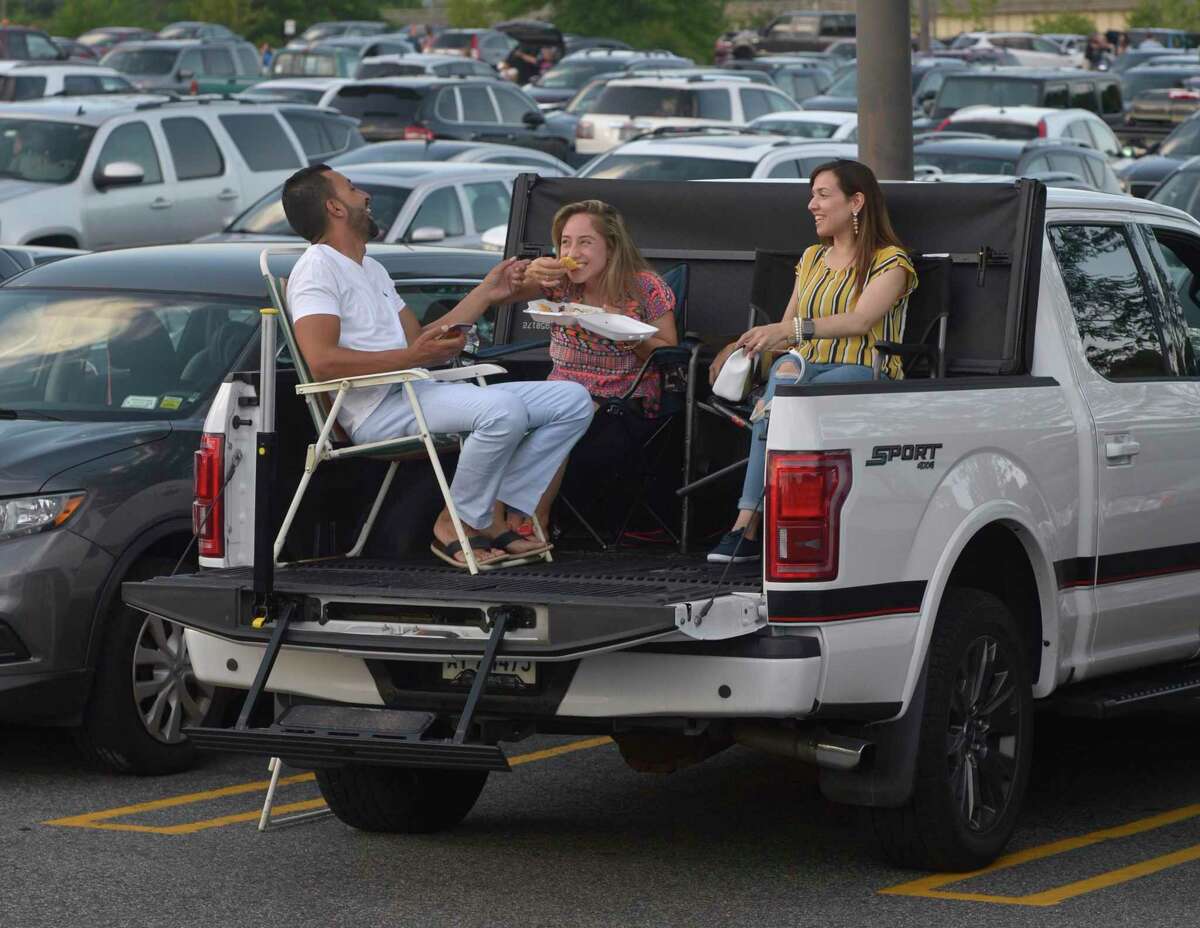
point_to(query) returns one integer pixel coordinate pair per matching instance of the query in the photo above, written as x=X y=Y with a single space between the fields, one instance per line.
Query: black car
x=1143 y=175
x=108 y=366
x=1057 y=88
x=928 y=75
x=1036 y=158
x=468 y=109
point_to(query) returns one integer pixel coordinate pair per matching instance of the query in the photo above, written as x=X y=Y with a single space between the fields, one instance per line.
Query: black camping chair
x=925 y=326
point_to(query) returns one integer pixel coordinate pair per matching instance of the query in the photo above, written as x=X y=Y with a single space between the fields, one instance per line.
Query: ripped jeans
x=786 y=369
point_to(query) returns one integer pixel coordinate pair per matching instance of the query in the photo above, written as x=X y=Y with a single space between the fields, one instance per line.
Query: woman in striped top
x=851 y=291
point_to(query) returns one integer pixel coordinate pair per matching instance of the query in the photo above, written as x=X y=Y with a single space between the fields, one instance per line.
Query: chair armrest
x=665 y=354
x=500 y=351
x=470 y=372
x=363 y=380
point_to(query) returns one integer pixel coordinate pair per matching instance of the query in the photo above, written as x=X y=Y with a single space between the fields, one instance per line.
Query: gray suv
x=188 y=65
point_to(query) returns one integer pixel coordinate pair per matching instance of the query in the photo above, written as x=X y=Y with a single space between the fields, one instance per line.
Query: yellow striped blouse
x=826 y=292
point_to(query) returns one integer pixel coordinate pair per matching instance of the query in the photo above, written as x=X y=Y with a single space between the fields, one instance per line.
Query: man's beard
x=364 y=224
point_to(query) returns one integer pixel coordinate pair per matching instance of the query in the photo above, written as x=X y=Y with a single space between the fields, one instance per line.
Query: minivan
x=1054 y=88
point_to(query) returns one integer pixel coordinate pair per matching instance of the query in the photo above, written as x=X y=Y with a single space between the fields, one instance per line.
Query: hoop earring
x=854 y=219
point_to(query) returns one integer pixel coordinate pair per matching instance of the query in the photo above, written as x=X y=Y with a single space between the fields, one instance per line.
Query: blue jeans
x=756 y=467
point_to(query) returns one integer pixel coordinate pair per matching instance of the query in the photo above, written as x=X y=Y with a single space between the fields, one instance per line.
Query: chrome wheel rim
x=984 y=731
x=166 y=694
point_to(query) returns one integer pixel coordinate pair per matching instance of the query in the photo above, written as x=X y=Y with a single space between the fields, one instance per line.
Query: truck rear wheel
x=400 y=799
x=976 y=741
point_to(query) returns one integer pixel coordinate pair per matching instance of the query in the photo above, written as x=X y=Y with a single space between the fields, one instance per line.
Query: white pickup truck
x=1016 y=522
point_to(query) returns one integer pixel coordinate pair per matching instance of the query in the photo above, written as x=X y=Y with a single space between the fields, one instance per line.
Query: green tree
x=978 y=12
x=687 y=27
x=1169 y=14
x=469 y=14
x=1069 y=23
x=78 y=16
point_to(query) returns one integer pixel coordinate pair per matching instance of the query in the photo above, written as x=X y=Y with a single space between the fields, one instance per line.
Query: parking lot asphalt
x=1110 y=836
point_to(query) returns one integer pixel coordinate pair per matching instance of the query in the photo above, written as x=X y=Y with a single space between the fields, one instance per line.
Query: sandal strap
x=504 y=539
x=477 y=543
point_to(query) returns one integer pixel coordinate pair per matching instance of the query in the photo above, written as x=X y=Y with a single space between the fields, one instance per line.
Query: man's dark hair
x=304 y=196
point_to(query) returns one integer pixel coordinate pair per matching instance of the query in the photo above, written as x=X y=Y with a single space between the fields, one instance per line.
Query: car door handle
x=227 y=194
x=161 y=203
x=1121 y=448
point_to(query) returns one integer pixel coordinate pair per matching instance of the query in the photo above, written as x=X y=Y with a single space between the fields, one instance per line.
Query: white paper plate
x=593 y=318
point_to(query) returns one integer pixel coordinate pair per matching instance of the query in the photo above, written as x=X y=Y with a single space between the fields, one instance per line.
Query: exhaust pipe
x=834 y=752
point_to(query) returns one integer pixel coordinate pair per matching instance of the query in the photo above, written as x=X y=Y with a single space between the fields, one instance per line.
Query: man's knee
x=504 y=414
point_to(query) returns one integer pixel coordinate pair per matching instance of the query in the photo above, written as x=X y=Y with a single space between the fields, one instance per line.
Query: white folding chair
x=332 y=443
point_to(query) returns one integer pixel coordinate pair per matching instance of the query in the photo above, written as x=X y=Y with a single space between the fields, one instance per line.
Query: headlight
x=27 y=515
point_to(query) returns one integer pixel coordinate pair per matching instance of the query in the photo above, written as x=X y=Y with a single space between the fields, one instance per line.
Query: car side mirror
x=427 y=234
x=927 y=106
x=119 y=174
x=532 y=118
x=185 y=75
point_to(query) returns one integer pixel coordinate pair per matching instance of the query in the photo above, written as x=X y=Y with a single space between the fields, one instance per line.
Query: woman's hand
x=718 y=362
x=545 y=272
x=764 y=337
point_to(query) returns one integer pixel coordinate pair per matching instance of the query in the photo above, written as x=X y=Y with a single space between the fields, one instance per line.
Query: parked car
x=106 y=372
x=1161 y=96
x=197 y=30
x=115 y=171
x=810 y=124
x=444 y=150
x=21 y=43
x=1143 y=175
x=1032 y=122
x=386 y=43
x=1069 y=42
x=1030 y=49
x=315 y=61
x=1056 y=89
x=31 y=80
x=373 y=66
x=292 y=89
x=799 y=78
x=1181 y=188
x=187 y=65
x=469 y=109
x=106 y=38
x=484 y=44
x=559 y=84
x=999 y=156
x=803 y=31
x=1137 y=56
x=421 y=202
x=928 y=74
x=577 y=43
x=76 y=51
x=711 y=154
x=1174 y=39
x=319 y=32
x=17 y=259
x=631 y=106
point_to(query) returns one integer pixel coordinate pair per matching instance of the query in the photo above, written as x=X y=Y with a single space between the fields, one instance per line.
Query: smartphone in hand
x=459 y=328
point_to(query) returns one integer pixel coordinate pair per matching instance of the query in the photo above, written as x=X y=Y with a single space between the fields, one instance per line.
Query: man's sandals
x=446 y=550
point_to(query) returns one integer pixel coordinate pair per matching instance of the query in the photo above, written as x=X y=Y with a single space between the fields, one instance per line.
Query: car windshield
x=369 y=103
x=1183 y=142
x=959 y=92
x=966 y=40
x=796 y=129
x=141 y=60
x=39 y=150
x=322 y=31
x=663 y=102
x=666 y=167
x=1178 y=190
x=266 y=217
x=308 y=63
x=571 y=75
x=966 y=164
x=583 y=101
x=844 y=86
x=1136 y=82
x=114 y=354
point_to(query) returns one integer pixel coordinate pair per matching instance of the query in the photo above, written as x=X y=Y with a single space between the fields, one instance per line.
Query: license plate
x=524 y=672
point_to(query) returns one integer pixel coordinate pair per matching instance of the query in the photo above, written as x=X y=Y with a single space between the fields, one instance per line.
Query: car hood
x=33 y=451
x=11 y=188
x=1149 y=167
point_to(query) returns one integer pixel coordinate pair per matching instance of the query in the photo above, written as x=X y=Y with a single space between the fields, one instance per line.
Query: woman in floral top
x=598 y=264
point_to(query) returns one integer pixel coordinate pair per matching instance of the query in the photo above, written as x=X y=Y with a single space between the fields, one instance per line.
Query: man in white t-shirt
x=349 y=321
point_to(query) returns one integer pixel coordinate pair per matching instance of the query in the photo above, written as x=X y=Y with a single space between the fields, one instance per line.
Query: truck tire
x=144 y=692
x=976 y=741
x=400 y=800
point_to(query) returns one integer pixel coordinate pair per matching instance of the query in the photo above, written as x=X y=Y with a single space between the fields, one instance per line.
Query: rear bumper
x=758 y=676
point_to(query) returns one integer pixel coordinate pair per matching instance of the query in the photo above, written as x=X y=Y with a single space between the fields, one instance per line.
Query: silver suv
x=109 y=172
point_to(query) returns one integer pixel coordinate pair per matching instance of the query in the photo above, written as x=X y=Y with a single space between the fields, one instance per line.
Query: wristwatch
x=803 y=329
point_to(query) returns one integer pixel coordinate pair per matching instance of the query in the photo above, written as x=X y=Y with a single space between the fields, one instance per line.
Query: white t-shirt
x=326 y=282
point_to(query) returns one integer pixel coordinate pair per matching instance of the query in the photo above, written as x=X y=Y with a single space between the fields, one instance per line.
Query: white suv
x=630 y=107
x=1030 y=49
x=113 y=171
x=30 y=80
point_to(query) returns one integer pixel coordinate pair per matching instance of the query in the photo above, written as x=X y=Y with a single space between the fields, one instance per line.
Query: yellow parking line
x=930 y=887
x=102 y=821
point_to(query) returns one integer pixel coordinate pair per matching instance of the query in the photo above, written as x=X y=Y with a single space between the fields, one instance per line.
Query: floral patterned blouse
x=605 y=367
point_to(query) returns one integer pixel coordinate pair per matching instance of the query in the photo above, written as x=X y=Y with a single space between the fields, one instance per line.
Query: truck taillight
x=208 y=512
x=942 y=125
x=805 y=493
x=418 y=132
x=475 y=47
x=585 y=130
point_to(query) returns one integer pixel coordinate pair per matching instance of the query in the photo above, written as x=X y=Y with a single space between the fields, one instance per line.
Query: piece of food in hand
x=569 y=263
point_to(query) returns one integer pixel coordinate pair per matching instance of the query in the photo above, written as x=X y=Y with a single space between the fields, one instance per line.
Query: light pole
x=884 y=88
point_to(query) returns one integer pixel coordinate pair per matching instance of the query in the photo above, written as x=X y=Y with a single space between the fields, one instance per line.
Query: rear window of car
x=958 y=92
x=453 y=40
x=371 y=103
x=796 y=129
x=21 y=88
x=260 y=139
x=667 y=167
x=142 y=60
x=663 y=103
x=966 y=164
x=999 y=130
x=387 y=69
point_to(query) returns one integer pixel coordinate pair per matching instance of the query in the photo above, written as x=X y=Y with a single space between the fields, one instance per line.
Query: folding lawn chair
x=332 y=444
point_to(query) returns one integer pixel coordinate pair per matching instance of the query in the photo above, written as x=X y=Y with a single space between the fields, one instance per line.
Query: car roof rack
x=1060 y=141
x=662 y=131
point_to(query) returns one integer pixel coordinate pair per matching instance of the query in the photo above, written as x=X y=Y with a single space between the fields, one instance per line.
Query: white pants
x=519 y=435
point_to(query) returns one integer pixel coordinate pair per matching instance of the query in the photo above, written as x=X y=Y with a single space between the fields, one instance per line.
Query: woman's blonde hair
x=625 y=262
x=874 y=225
